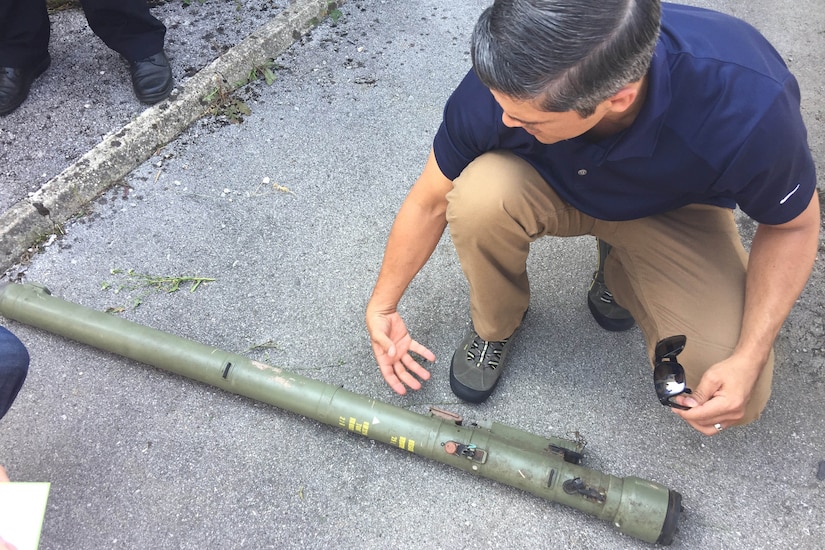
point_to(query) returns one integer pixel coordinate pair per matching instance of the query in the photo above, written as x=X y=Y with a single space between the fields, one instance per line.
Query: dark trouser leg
x=14 y=365
x=24 y=32
x=126 y=26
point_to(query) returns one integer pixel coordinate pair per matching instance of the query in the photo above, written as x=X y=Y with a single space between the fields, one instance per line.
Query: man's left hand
x=721 y=396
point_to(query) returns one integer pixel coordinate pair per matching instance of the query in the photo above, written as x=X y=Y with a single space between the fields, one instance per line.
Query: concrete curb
x=120 y=152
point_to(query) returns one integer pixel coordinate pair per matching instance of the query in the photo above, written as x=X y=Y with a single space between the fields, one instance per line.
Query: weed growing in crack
x=151 y=284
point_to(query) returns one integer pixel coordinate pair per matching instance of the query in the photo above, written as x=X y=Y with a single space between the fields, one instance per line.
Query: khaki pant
x=681 y=272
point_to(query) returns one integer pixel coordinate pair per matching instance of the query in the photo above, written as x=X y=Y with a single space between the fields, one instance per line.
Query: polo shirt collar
x=640 y=139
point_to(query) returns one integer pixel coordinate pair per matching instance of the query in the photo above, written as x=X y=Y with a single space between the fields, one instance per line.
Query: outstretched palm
x=392 y=344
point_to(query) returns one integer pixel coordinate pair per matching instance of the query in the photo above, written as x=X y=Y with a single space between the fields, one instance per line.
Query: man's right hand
x=418 y=226
x=392 y=345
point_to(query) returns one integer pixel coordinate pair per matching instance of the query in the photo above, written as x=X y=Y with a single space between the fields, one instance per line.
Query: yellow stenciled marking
x=353 y=425
x=401 y=442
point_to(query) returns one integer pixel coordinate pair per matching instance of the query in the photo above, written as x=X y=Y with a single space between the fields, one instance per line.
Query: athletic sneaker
x=476 y=367
x=610 y=315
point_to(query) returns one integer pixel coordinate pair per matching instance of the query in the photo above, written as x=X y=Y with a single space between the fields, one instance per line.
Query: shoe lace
x=606 y=296
x=486 y=353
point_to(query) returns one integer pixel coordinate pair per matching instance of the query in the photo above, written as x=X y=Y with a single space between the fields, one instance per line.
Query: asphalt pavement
x=282 y=194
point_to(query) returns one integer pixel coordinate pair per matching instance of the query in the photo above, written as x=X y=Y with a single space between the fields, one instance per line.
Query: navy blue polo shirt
x=720 y=125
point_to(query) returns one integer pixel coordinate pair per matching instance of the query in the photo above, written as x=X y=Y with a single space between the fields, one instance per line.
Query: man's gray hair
x=571 y=55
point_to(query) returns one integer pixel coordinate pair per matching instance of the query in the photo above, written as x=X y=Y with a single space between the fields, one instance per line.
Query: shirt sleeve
x=469 y=127
x=772 y=176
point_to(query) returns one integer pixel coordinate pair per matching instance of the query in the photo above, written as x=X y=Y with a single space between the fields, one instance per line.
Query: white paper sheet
x=22 y=507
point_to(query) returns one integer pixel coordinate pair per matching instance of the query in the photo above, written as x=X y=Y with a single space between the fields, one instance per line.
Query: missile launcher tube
x=545 y=467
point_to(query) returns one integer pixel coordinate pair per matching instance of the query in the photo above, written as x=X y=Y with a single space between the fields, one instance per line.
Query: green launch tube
x=546 y=467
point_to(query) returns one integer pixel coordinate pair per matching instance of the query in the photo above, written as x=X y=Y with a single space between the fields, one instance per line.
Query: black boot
x=610 y=315
x=15 y=83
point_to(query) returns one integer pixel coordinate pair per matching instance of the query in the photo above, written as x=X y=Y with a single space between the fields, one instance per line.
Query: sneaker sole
x=468 y=394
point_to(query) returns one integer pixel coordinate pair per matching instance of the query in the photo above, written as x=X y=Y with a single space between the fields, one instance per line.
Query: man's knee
x=760 y=395
x=500 y=191
x=482 y=191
